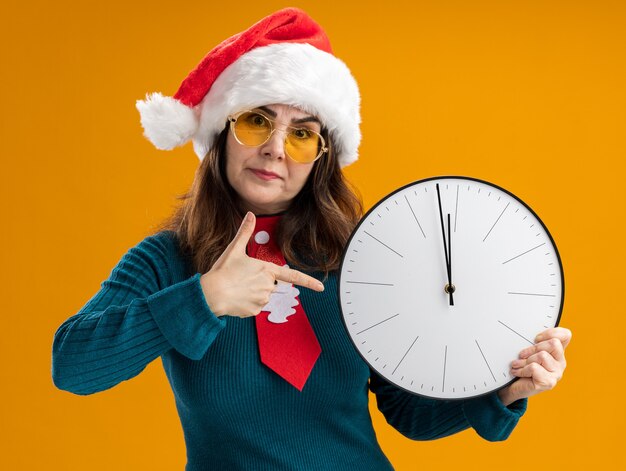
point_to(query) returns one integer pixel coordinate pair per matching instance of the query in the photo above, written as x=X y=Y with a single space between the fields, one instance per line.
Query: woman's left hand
x=540 y=367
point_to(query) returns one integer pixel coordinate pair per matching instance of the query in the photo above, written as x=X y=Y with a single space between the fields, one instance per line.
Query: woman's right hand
x=239 y=285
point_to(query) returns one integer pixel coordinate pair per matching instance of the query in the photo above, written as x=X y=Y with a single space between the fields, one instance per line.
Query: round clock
x=444 y=282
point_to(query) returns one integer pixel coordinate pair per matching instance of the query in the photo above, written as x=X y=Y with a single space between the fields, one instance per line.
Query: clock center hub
x=449 y=288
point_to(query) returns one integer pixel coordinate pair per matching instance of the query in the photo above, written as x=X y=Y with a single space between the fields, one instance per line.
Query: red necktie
x=287 y=343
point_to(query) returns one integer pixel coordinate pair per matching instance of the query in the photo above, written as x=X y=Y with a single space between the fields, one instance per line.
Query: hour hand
x=450 y=287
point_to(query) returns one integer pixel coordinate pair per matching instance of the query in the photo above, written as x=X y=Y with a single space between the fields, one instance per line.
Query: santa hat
x=285 y=58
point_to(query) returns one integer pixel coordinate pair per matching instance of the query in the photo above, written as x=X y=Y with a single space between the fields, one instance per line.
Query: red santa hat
x=285 y=58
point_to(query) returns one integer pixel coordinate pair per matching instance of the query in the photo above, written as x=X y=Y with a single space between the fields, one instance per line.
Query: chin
x=265 y=205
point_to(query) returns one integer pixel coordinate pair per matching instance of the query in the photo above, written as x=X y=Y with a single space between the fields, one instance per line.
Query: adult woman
x=274 y=116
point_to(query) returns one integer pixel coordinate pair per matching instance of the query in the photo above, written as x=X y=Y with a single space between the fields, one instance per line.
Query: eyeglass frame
x=232 y=119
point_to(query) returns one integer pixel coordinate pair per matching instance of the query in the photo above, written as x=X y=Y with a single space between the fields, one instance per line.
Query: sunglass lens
x=303 y=145
x=252 y=129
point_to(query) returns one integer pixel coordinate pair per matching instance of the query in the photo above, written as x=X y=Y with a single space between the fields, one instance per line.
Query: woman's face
x=247 y=167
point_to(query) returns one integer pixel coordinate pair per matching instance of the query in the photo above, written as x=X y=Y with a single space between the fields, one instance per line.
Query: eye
x=256 y=120
x=302 y=133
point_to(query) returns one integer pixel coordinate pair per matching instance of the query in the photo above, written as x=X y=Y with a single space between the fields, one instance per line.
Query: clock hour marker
x=370 y=283
x=523 y=253
x=383 y=243
x=534 y=294
x=494 y=224
x=456 y=206
x=413 y=212
x=481 y=352
x=394 y=370
x=445 y=360
x=517 y=333
x=378 y=323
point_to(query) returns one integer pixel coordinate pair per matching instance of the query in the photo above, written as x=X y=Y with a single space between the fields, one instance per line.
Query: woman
x=263 y=373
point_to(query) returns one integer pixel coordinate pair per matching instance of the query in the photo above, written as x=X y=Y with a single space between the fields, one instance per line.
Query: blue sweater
x=235 y=412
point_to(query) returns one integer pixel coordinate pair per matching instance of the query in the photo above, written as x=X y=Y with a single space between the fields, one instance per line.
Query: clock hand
x=450 y=288
x=445 y=244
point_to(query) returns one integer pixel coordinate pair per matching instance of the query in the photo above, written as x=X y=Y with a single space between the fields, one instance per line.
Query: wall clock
x=444 y=281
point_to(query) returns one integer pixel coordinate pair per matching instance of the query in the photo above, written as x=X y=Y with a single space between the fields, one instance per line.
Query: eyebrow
x=306 y=119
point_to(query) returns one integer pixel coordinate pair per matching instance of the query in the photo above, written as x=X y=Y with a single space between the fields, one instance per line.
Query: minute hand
x=445 y=248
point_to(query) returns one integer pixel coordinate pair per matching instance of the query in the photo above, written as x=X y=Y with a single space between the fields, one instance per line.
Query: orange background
x=528 y=95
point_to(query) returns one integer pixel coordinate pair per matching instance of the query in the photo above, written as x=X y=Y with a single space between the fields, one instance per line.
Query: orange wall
x=529 y=95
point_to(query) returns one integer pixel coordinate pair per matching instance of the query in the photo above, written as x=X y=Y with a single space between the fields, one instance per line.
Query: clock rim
x=365 y=216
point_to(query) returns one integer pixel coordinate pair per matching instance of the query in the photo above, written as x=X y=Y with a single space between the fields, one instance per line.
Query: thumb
x=240 y=241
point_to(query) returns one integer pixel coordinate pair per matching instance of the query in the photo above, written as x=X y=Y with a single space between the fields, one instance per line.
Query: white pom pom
x=167 y=123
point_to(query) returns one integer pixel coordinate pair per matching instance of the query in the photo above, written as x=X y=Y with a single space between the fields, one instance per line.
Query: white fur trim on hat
x=167 y=123
x=295 y=74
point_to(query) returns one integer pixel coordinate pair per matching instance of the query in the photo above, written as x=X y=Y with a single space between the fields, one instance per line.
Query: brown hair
x=312 y=232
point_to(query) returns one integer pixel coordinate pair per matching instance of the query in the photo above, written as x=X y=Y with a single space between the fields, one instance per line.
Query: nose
x=275 y=145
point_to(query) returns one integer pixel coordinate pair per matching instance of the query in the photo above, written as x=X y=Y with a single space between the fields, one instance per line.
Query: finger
x=542 y=378
x=553 y=346
x=543 y=358
x=240 y=241
x=561 y=333
x=296 y=277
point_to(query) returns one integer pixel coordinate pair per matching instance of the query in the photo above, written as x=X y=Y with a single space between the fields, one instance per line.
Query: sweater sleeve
x=137 y=315
x=420 y=418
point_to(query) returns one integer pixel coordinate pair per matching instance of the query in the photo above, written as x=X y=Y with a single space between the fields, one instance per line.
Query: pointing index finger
x=297 y=278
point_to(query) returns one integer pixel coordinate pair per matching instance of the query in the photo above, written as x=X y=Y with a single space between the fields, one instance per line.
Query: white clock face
x=504 y=268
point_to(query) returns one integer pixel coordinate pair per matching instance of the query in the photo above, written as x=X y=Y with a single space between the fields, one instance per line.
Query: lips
x=264 y=174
